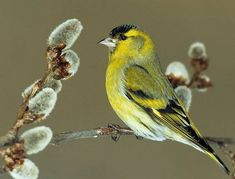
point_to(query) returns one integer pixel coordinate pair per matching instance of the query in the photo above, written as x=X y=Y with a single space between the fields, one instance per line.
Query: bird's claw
x=139 y=137
x=115 y=138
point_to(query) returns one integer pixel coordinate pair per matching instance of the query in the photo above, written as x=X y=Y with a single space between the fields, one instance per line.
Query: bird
x=142 y=96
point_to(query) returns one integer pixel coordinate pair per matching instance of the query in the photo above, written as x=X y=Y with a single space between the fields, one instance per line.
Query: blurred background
x=83 y=104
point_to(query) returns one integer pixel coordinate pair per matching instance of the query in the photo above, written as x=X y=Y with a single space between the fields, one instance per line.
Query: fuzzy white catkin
x=36 y=139
x=43 y=103
x=185 y=95
x=28 y=170
x=74 y=62
x=56 y=85
x=66 y=33
x=177 y=69
x=197 y=50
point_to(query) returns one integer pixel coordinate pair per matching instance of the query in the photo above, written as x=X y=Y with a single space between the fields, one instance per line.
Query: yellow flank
x=142 y=96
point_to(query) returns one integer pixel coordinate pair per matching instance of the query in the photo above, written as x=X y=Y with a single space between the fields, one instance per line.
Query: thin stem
x=11 y=136
x=112 y=130
x=193 y=79
x=221 y=140
x=115 y=132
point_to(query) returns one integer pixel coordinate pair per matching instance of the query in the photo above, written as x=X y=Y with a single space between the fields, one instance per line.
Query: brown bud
x=176 y=81
x=202 y=83
x=54 y=52
x=66 y=65
x=14 y=156
x=60 y=69
x=200 y=64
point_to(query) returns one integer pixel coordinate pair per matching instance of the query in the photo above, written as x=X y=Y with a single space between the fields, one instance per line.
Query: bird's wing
x=160 y=102
x=158 y=99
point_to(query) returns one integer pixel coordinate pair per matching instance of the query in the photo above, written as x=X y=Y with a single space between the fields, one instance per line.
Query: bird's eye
x=122 y=37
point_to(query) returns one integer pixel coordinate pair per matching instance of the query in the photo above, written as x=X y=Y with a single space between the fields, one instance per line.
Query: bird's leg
x=139 y=137
x=115 y=137
x=116 y=131
x=115 y=134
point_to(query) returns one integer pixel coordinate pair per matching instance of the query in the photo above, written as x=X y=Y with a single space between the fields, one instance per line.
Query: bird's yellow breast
x=130 y=113
x=115 y=85
x=115 y=88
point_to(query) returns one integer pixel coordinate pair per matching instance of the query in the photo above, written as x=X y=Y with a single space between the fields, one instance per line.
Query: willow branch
x=112 y=130
x=11 y=136
x=8 y=139
x=221 y=140
x=115 y=132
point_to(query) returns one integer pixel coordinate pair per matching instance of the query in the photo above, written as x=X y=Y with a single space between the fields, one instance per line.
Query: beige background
x=25 y=26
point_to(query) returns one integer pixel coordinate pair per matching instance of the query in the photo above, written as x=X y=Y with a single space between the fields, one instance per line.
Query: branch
x=8 y=139
x=221 y=140
x=115 y=131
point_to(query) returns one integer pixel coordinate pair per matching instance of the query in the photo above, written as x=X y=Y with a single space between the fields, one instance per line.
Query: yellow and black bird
x=142 y=96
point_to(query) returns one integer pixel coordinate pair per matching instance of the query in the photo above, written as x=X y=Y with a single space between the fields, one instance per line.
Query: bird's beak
x=109 y=42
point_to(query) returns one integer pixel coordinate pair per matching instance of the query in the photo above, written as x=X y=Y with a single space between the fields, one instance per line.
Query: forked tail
x=219 y=161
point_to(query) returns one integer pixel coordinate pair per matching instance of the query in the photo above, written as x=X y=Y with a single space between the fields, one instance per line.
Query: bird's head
x=128 y=40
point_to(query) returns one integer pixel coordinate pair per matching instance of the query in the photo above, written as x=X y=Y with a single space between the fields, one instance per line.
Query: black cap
x=122 y=29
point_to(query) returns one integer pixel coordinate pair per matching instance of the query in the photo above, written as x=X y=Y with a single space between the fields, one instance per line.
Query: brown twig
x=115 y=131
x=11 y=136
x=197 y=81
x=112 y=130
x=8 y=138
x=220 y=140
x=193 y=79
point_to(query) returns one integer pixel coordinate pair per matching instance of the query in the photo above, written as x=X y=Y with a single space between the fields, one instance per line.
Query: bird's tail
x=219 y=161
